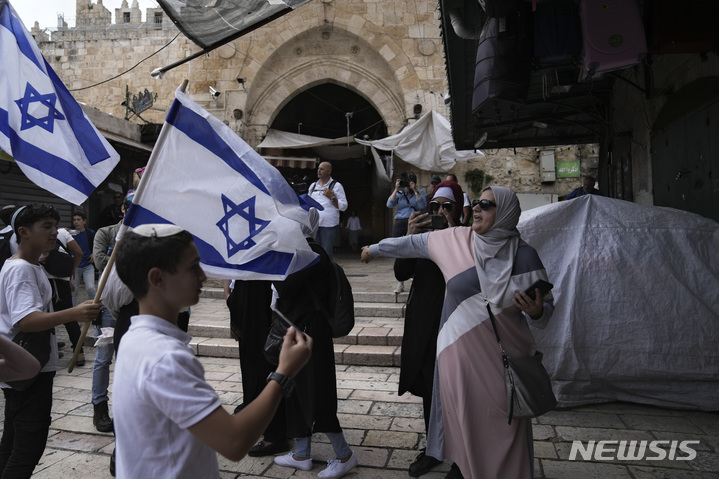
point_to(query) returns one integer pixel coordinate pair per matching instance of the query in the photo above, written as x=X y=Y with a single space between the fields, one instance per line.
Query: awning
x=212 y=24
x=288 y=162
x=126 y=141
x=284 y=139
x=426 y=144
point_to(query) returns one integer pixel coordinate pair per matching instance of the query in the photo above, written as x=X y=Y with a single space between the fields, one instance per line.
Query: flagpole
x=103 y=280
x=86 y=326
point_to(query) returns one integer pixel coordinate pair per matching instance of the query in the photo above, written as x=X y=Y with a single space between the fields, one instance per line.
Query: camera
x=405 y=177
x=437 y=222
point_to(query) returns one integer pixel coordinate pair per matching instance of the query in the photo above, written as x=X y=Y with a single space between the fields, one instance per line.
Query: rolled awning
x=289 y=162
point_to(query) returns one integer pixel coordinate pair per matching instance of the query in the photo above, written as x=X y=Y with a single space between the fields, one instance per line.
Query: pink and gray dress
x=468 y=423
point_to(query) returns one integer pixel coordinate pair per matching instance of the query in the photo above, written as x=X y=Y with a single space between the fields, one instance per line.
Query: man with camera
x=407 y=198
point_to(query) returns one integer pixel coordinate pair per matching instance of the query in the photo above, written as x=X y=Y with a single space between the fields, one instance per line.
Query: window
x=125 y=17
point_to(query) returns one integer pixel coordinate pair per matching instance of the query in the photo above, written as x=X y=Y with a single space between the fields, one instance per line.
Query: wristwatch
x=287 y=384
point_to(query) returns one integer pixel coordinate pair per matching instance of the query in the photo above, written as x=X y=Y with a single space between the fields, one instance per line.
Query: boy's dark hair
x=30 y=215
x=81 y=214
x=137 y=255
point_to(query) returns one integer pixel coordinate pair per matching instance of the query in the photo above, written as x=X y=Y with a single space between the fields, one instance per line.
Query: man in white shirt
x=329 y=193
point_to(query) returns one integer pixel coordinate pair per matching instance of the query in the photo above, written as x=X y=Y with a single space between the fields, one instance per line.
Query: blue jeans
x=326 y=238
x=303 y=445
x=27 y=422
x=87 y=273
x=103 y=360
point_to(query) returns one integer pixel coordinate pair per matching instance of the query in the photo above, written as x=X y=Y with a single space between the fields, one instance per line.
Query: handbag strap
x=505 y=362
x=496 y=334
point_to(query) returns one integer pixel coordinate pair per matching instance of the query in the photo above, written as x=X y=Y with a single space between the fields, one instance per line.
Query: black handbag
x=273 y=343
x=527 y=382
x=57 y=263
x=37 y=344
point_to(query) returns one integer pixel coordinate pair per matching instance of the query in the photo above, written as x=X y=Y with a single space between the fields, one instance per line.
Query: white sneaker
x=399 y=288
x=288 y=460
x=336 y=468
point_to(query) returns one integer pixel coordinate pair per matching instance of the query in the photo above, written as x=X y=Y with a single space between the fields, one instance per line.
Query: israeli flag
x=41 y=124
x=246 y=219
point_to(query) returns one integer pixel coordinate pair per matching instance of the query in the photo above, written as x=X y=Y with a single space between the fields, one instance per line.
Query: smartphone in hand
x=544 y=288
x=287 y=322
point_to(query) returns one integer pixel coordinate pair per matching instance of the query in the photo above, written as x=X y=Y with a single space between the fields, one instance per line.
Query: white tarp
x=637 y=302
x=284 y=139
x=426 y=144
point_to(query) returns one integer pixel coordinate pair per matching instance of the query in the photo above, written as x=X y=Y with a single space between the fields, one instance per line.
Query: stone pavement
x=384 y=429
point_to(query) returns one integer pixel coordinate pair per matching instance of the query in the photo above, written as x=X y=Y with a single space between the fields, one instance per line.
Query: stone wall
x=389 y=52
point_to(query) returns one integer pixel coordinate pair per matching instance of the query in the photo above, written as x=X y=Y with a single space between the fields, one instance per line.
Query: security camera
x=214 y=92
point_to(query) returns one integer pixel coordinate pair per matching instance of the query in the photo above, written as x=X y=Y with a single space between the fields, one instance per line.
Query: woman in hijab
x=487 y=263
x=313 y=405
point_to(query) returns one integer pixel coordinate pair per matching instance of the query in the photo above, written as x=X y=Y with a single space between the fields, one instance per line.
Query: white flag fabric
x=41 y=124
x=245 y=217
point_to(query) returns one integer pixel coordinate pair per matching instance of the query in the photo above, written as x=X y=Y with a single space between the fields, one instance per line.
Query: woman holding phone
x=487 y=263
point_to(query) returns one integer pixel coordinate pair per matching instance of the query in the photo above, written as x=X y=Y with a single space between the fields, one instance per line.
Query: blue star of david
x=47 y=122
x=245 y=210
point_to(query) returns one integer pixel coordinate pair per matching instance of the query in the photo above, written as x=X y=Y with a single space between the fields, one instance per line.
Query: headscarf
x=494 y=250
x=310 y=228
x=456 y=190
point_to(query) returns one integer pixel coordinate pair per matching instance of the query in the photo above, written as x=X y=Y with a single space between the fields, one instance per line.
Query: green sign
x=568 y=169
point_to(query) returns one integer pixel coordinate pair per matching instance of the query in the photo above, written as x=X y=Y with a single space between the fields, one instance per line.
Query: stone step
x=367 y=332
x=346 y=354
x=359 y=296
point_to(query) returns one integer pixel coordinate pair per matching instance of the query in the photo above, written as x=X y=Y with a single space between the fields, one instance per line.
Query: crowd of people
x=463 y=258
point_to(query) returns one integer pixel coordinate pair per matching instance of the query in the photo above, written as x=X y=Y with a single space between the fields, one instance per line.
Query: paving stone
x=384 y=396
x=639 y=472
x=367 y=385
x=545 y=449
x=66 y=464
x=362 y=376
x=360 y=421
x=408 y=425
x=566 y=433
x=542 y=432
x=390 y=439
x=579 y=418
x=351 y=406
x=574 y=470
x=79 y=442
x=658 y=423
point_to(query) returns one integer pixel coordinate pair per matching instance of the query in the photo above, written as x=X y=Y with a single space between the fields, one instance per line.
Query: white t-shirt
x=24 y=289
x=160 y=391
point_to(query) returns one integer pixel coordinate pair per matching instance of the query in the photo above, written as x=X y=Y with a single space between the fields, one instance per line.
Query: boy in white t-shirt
x=26 y=305
x=168 y=421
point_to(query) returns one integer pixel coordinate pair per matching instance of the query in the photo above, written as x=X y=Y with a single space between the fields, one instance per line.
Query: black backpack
x=341 y=316
x=340 y=306
x=5 y=252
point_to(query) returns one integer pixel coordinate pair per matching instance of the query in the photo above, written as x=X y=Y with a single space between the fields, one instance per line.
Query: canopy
x=284 y=139
x=426 y=144
x=211 y=24
x=636 y=290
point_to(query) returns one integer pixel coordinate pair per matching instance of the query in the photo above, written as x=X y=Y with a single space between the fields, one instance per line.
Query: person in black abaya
x=250 y=321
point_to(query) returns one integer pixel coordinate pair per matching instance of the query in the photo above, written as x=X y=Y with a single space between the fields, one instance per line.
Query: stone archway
x=320 y=56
